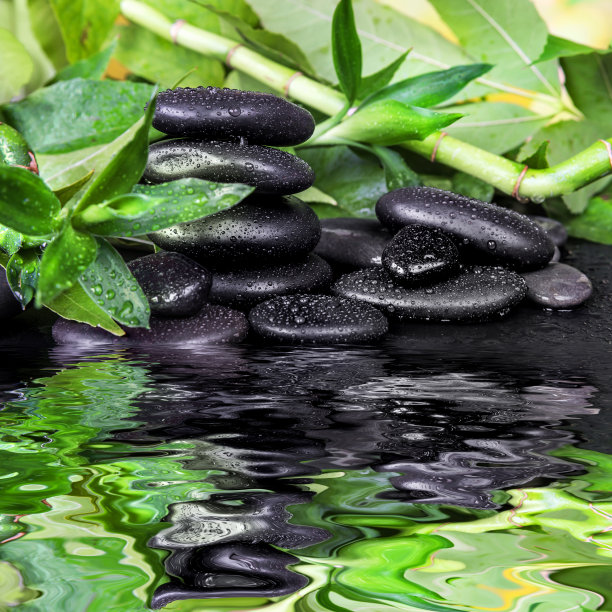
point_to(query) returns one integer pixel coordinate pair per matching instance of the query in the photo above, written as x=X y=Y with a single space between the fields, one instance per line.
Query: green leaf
x=47 y=31
x=328 y=211
x=153 y=207
x=380 y=79
x=557 y=47
x=64 y=194
x=112 y=286
x=75 y=304
x=315 y=195
x=63 y=261
x=472 y=187
x=397 y=172
x=16 y=66
x=27 y=205
x=22 y=275
x=239 y=80
x=93 y=67
x=389 y=122
x=77 y=113
x=126 y=166
x=538 y=160
x=13 y=147
x=85 y=25
x=431 y=88
x=10 y=240
x=346 y=50
x=595 y=223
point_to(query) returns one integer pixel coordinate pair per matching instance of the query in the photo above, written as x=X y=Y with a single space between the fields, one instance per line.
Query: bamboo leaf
x=22 y=275
x=378 y=80
x=64 y=194
x=397 y=172
x=346 y=50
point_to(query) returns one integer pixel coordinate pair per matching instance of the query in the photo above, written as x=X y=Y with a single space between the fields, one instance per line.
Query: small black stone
x=419 y=255
x=558 y=286
x=555 y=229
x=487 y=232
x=212 y=113
x=212 y=325
x=352 y=243
x=317 y=319
x=174 y=285
x=475 y=294
x=268 y=170
x=9 y=306
x=243 y=288
x=257 y=231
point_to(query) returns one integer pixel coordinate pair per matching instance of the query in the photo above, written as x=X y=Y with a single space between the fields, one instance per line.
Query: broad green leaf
x=472 y=187
x=114 y=289
x=431 y=88
x=13 y=147
x=538 y=160
x=557 y=47
x=64 y=194
x=47 y=31
x=239 y=80
x=397 y=172
x=10 y=240
x=78 y=113
x=595 y=222
x=314 y=194
x=92 y=67
x=75 y=304
x=63 y=261
x=153 y=207
x=373 y=82
x=346 y=50
x=16 y=66
x=27 y=205
x=22 y=275
x=389 y=122
x=328 y=211
x=85 y=25
x=126 y=166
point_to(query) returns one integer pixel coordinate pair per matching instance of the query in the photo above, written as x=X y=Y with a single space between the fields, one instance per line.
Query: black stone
x=174 y=285
x=489 y=233
x=9 y=306
x=268 y=170
x=352 y=243
x=257 y=231
x=212 y=325
x=476 y=294
x=317 y=319
x=223 y=114
x=558 y=286
x=555 y=229
x=243 y=288
x=419 y=255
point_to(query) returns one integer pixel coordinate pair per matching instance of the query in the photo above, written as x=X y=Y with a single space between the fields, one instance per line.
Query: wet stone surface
x=9 y=306
x=419 y=255
x=268 y=170
x=486 y=232
x=476 y=294
x=555 y=229
x=259 y=230
x=174 y=285
x=558 y=286
x=212 y=113
x=319 y=319
x=244 y=288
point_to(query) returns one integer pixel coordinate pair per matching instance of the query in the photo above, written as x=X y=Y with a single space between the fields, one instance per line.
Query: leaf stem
x=502 y=173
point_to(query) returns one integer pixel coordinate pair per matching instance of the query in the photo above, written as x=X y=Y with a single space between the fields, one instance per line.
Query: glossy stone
x=212 y=325
x=555 y=229
x=420 y=255
x=174 y=285
x=352 y=243
x=268 y=170
x=212 y=113
x=475 y=294
x=317 y=319
x=257 y=231
x=558 y=286
x=486 y=232
x=9 y=306
x=243 y=287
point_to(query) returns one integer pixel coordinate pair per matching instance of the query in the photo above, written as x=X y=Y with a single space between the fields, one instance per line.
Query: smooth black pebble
x=174 y=285
x=212 y=325
x=212 y=113
x=352 y=243
x=555 y=229
x=558 y=286
x=489 y=233
x=268 y=170
x=317 y=319
x=257 y=231
x=243 y=288
x=9 y=306
x=475 y=294
x=419 y=255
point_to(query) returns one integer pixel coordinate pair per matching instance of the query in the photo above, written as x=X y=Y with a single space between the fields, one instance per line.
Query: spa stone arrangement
x=268 y=266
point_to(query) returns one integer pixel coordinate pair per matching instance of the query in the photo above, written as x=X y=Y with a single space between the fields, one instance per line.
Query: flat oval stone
x=243 y=288
x=488 y=232
x=9 y=306
x=555 y=229
x=420 y=255
x=351 y=242
x=268 y=170
x=212 y=325
x=558 y=286
x=257 y=231
x=475 y=294
x=317 y=319
x=174 y=285
x=212 y=113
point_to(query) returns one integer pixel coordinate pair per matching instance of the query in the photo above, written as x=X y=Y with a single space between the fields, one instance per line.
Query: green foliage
x=378 y=80
x=557 y=47
x=397 y=172
x=22 y=275
x=595 y=223
x=16 y=66
x=90 y=68
x=14 y=149
x=346 y=50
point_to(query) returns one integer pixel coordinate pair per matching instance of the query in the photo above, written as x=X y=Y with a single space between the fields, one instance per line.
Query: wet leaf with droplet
x=22 y=275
